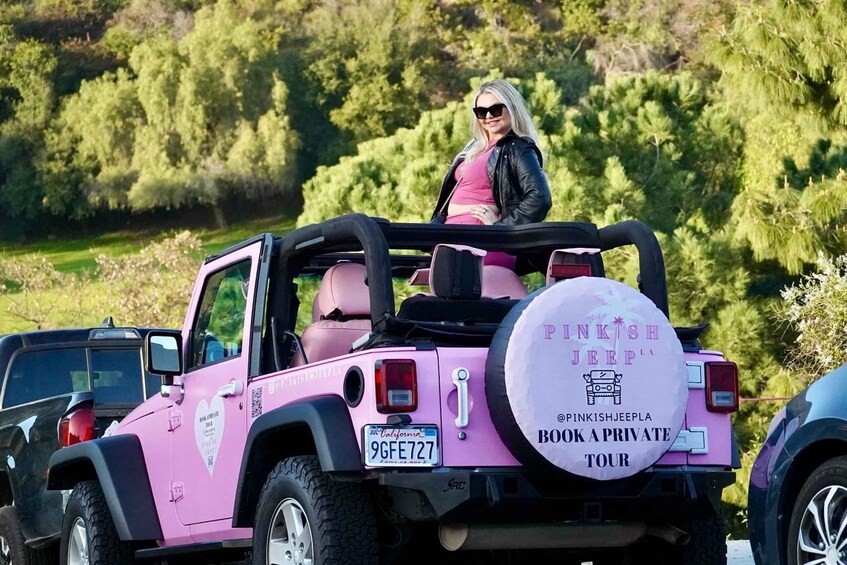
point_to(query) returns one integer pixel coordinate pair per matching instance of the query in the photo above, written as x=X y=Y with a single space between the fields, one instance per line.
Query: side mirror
x=163 y=354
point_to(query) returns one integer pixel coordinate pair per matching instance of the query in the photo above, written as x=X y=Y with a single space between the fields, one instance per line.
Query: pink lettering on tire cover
x=596 y=378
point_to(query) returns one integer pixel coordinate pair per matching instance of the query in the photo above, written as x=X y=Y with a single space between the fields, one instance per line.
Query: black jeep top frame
x=313 y=248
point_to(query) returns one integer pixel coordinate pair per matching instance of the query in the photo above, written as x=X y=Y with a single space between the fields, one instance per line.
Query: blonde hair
x=507 y=95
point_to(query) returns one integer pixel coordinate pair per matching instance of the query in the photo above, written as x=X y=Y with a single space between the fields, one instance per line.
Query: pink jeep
x=452 y=424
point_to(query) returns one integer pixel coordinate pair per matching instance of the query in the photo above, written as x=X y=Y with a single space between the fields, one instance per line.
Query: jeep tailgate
x=468 y=435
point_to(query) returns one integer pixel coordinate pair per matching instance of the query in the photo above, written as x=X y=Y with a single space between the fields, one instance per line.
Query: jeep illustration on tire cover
x=602 y=384
x=535 y=381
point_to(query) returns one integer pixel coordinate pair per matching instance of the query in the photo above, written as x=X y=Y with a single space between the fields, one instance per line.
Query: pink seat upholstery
x=342 y=311
x=500 y=282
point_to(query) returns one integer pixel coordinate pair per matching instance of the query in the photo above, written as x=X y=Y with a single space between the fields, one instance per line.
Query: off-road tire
x=15 y=551
x=340 y=515
x=707 y=543
x=88 y=503
x=832 y=473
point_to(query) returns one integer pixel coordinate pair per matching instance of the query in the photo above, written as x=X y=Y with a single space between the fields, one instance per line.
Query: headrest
x=343 y=293
x=570 y=263
x=456 y=271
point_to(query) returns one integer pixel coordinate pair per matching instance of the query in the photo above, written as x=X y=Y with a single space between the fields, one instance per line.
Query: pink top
x=472 y=187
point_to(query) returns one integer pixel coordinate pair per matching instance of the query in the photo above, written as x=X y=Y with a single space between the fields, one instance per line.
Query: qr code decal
x=256 y=402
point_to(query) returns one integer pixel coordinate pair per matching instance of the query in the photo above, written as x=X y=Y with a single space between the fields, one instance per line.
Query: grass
x=76 y=255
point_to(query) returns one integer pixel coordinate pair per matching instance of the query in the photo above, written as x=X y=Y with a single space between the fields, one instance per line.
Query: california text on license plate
x=396 y=446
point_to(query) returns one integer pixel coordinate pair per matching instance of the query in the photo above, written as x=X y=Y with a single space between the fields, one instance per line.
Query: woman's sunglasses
x=496 y=110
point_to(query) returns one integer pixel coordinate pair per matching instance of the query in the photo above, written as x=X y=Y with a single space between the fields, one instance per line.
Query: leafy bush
x=168 y=270
x=816 y=309
x=149 y=288
x=37 y=293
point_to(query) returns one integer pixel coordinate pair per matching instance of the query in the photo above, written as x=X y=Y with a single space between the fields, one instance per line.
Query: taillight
x=721 y=386
x=569 y=271
x=76 y=427
x=396 y=386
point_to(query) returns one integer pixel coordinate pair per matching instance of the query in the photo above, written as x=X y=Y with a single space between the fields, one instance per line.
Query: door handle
x=460 y=380
x=234 y=388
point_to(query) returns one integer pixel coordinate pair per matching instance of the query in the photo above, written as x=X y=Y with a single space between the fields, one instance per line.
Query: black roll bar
x=366 y=231
x=651 y=263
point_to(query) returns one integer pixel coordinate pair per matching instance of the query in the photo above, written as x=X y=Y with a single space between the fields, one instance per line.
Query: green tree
x=649 y=147
x=370 y=60
x=201 y=120
x=27 y=69
x=789 y=57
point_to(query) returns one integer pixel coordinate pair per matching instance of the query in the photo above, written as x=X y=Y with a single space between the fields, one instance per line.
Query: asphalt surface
x=738 y=553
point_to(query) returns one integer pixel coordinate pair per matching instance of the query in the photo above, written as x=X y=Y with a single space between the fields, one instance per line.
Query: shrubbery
x=148 y=288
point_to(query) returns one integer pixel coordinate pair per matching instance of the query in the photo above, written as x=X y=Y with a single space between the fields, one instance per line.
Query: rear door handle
x=234 y=388
x=460 y=380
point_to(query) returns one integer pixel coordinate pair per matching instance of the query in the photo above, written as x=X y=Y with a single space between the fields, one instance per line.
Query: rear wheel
x=816 y=533
x=13 y=550
x=88 y=532
x=707 y=544
x=305 y=518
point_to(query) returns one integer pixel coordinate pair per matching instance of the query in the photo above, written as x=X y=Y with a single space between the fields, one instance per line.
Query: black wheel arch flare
x=117 y=462
x=319 y=425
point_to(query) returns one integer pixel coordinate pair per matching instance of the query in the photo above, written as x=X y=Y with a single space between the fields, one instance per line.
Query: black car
x=59 y=387
x=798 y=485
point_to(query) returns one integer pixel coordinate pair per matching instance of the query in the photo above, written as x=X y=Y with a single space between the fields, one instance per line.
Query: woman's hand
x=486 y=213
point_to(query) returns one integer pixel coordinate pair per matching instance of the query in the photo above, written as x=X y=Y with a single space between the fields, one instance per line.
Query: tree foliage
x=790 y=57
x=198 y=120
x=26 y=102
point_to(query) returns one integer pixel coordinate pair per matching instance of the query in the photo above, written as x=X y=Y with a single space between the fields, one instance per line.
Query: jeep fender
x=117 y=462
x=319 y=425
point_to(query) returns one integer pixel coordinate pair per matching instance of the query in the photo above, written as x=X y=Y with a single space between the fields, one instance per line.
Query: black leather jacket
x=519 y=185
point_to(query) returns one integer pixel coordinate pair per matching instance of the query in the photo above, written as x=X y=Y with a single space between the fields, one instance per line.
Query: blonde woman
x=497 y=178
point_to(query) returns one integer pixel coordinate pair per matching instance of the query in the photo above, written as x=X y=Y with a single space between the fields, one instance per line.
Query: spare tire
x=587 y=376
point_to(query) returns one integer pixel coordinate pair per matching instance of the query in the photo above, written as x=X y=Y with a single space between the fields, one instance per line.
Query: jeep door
x=211 y=419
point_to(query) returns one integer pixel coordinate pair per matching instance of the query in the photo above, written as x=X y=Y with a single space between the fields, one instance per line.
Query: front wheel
x=815 y=533
x=306 y=518
x=88 y=532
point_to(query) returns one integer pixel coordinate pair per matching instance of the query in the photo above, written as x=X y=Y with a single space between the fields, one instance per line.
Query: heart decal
x=209 y=429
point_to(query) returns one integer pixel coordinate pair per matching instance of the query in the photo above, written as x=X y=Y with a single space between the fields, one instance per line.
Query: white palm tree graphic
x=615 y=310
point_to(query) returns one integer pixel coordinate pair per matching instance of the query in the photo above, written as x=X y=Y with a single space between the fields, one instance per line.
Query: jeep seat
x=501 y=282
x=342 y=311
x=463 y=290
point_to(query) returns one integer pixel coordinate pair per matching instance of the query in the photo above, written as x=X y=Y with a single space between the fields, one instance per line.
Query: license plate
x=401 y=446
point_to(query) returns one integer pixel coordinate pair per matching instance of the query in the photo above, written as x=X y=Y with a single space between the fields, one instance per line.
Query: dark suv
x=46 y=402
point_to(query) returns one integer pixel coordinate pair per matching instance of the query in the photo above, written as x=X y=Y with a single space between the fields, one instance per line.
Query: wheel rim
x=78 y=544
x=5 y=552
x=822 y=538
x=290 y=536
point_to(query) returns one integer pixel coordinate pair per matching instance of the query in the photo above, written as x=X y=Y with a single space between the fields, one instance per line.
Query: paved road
x=738 y=553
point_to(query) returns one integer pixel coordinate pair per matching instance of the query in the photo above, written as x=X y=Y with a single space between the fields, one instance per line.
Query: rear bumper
x=466 y=495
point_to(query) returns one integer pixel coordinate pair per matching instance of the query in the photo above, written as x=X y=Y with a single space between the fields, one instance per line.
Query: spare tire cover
x=589 y=376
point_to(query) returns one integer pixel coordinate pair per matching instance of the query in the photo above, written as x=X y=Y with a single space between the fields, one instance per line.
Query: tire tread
x=346 y=521
x=104 y=545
